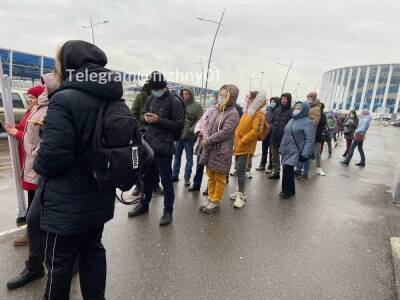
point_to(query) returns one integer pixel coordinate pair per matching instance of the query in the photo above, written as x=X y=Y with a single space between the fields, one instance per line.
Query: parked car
x=20 y=105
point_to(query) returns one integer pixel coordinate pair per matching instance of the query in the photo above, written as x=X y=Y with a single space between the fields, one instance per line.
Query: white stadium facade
x=372 y=87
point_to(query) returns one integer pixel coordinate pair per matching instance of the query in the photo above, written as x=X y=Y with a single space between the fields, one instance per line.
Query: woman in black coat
x=74 y=210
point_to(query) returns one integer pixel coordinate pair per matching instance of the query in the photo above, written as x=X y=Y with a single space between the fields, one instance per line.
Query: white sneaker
x=233 y=196
x=248 y=175
x=320 y=172
x=240 y=200
x=210 y=208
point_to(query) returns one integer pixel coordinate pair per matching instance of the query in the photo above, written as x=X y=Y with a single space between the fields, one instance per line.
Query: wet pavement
x=330 y=242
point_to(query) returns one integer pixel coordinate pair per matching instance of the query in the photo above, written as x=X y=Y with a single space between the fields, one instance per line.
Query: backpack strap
x=297 y=145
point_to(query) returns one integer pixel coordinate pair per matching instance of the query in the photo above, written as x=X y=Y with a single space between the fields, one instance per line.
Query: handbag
x=358 y=137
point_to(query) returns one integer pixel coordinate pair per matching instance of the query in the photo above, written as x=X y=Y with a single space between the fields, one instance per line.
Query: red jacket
x=21 y=153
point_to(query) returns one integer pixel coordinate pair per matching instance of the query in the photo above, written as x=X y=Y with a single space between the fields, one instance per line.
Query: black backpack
x=119 y=154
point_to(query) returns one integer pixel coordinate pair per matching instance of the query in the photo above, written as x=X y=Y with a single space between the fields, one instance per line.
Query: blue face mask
x=272 y=105
x=212 y=101
x=158 y=93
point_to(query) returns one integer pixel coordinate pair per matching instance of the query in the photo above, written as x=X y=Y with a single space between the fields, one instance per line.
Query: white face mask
x=296 y=112
x=221 y=100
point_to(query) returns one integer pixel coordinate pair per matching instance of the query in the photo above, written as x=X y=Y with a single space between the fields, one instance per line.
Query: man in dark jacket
x=279 y=119
x=138 y=110
x=74 y=210
x=194 y=111
x=162 y=122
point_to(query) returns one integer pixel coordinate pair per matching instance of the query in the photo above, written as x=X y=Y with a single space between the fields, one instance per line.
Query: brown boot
x=21 y=241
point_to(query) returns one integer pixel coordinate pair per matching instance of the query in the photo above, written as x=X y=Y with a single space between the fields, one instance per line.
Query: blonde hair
x=57 y=64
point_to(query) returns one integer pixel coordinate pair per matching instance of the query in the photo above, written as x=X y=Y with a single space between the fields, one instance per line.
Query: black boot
x=187 y=181
x=194 y=189
x=361 y=164
x=166 y=219
x=28 y=275
x=158 y=190
x=345 y=162
x=283 y=195
x=274 y=175
x=138 y=210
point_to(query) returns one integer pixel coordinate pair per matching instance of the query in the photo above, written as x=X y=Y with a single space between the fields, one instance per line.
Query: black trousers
x=61 y=255
x=266 y=155
x=164 y=165
x=35 y=235
x=31 y=196
x=288 y=186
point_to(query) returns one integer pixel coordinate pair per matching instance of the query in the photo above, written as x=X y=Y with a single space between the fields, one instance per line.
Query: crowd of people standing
x=66 y=209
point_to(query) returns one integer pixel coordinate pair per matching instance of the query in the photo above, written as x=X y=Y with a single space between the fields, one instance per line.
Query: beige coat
x=31 y=138
x=315 y=112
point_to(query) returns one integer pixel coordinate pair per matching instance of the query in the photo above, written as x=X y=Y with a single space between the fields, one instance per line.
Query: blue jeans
x=306 y=167
x=353 y=146
x=188 y=146
x=198 y=177
x=163 y=164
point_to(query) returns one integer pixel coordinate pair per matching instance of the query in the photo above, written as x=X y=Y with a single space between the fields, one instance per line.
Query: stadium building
x=373 y=87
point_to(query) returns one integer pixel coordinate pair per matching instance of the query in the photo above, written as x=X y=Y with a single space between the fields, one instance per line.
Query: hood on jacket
x=258 y=103
x=76 y=54
x=315 y=102
x=304 y=112
x=190 y=90
x=249 y=99
x=86 y=58
x=233 y=93
x=289 y=104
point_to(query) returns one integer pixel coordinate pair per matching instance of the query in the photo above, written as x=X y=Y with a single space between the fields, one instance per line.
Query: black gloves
x=302 y=158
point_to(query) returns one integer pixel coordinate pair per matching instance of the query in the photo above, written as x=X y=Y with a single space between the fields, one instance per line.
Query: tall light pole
x=202 y=72
x=253 y=78
x=94 y=25
x=211 y=51
x=261 y=78
x=272 y=86
x=297 y=91
x=287 y=73
x=316 y=84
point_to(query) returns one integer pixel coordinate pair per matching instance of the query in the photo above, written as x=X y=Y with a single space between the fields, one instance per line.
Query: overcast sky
x=144 y=35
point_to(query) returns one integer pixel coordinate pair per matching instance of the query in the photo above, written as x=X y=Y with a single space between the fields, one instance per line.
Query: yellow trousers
x=216 y=185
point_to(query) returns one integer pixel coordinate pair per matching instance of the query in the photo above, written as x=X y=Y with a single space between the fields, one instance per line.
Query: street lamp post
x=287 y=73
x=202 y=72
x=211 y=51
x=94 y=25
x=261 y=78
x=250 y=80
x=316 y=84
x=272 y=86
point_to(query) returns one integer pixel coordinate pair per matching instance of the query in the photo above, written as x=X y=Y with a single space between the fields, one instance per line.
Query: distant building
x=25 y=69
x=374 y=87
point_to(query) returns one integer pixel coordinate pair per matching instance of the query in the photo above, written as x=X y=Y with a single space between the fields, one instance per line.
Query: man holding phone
x=162 y=121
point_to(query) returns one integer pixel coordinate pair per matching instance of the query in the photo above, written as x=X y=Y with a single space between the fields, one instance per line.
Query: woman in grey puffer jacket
x=296 y=147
